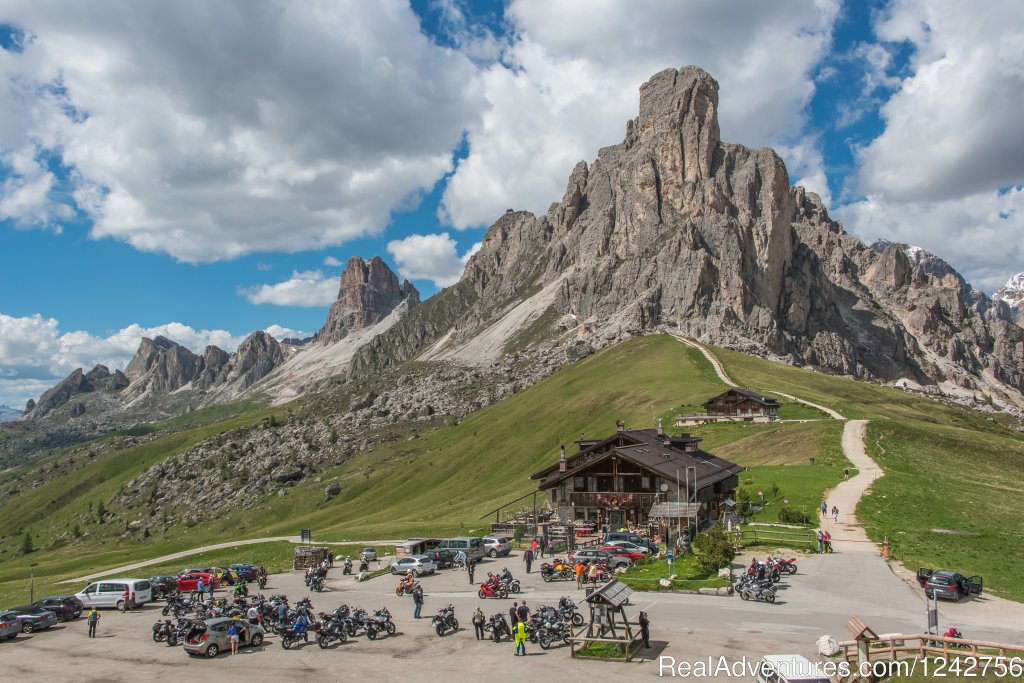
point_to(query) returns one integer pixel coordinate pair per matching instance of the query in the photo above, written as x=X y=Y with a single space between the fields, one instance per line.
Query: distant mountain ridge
x=1012 y=294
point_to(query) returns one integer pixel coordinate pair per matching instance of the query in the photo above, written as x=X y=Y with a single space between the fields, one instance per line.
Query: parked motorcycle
x=380 y=623
x=445 y=621
x=758 y=592
x=332 y=628
x=567 y=610
x=498 y=627
x=162 y=630
x=549 y=573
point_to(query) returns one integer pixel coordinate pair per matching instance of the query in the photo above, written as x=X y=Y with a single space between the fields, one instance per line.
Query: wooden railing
x=895 y=647
x=756 y=536
x=624 y=499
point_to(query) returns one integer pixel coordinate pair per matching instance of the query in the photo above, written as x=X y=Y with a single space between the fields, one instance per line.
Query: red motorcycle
x=783 y=565
x=490 y=589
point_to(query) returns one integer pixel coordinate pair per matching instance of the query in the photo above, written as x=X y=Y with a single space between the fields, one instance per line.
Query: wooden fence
x=895 y=647
x=758 y=536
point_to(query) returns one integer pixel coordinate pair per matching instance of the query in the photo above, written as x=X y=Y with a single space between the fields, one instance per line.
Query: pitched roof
x=747 y=393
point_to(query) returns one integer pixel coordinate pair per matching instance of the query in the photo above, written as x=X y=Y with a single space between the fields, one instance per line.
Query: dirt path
x=217 y=546
x=848 y=535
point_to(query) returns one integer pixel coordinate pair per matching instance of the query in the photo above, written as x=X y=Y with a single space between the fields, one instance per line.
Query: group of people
x=825 y=512
x=824 y=541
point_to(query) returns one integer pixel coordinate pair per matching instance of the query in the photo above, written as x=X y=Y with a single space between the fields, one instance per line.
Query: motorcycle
x=348 y=566
x=405 y=588
x=758 y=592
x=292 y=636
x=562 y=572
x=492 y=590
x=364 y=565
x=241 y=590
x=445 y=621
x=380 y=623
x=332 y=628
x=551 y=630
x=498 y=628
x=784 y=565
x=567 y=610
x=162 y=630
x=317 y=583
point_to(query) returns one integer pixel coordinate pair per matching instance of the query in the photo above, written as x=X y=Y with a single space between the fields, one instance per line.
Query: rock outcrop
x=255 y=358
x=674 y=229
x=369 y=292
x=99 y=379
x=1012 y=295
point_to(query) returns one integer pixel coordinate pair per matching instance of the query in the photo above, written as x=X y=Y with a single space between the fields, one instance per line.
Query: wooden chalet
x=734 y=405
x=617 y=480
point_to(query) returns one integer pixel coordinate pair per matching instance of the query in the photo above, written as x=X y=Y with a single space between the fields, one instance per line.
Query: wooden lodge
x=734 y=405
x=619 y=479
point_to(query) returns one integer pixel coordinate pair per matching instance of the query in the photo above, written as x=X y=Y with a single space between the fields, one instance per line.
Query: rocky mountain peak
x=1012 y=294
x=256 y=357
x=369 y=292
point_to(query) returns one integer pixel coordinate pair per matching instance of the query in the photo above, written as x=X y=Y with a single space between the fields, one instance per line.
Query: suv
x=497 y=546
x=65 y=607
x=417 y=564
x=587 y=554
x=441 y=558
x=945 y=584
x=631 y=537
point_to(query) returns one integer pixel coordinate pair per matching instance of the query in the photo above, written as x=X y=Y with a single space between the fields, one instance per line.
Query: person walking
x=233 y=631
x=520 y=637
x=846 y=474
x=417 y=600
x=824 y=509
x=513 y=615
x=127 y=598
x=213 y=582
x=478 y=623
x=821 y=541
x=645 y=629
x=827 y=538
x=592 y=573
x=551 y=547
x=94 y=618
x=581 y=570
x=528 y=558
x=534 y=546
x=470 y=568
x=835 y=513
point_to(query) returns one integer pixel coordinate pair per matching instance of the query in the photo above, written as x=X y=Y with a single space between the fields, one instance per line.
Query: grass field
x=646 y=575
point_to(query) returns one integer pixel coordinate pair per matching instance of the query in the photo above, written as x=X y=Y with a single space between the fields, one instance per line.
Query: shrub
x=790 y=515
x=713 y=549
x=26 y=544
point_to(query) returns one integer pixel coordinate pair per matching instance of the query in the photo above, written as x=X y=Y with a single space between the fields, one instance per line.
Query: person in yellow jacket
x=520 y=636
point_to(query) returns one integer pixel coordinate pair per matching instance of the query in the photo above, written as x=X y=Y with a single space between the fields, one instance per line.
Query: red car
x=633 y=555
x=188 y=582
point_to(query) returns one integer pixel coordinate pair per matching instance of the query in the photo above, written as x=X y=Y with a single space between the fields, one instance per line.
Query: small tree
x=713 y=549
x=333 y=438
x=26 y=544
x=101 y=511
x=775 y=490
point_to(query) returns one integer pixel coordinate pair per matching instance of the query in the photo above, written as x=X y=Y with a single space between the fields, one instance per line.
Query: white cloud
x=35 y=355
x=310 y=288
x=278 y=332
x=430 y=257
x=953 y=128
x=981 y=235
x=208 y=131
x=332 y=262
x=570 y=80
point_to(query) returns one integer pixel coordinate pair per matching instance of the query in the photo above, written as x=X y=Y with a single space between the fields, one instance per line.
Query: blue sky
x=202 y=170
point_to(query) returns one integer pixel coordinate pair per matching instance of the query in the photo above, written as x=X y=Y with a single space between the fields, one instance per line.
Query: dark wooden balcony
x=613 y=499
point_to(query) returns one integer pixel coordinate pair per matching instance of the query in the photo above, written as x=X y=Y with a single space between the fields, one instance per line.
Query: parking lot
x=686 y=627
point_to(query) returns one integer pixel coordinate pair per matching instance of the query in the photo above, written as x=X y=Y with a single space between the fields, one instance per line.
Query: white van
x=473 y=546
x=110 y=593
x=789 y=669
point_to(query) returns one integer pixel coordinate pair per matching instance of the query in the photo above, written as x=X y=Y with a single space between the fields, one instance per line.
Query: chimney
x=561 y=462
x=620 y=426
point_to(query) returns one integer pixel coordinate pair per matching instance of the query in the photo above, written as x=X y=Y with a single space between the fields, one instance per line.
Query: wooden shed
x=308 y=556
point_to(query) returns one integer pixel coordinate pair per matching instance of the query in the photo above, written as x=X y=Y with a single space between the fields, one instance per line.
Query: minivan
x=473 y=546
x=110 y=593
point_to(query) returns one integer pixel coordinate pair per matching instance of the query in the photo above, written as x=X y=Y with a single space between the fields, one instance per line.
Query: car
x=213 y=638
x=65 y=607
x=224 y=575
x=441 y=558
x=631 y=555
x=629 y=545
x=194 y=570
x=947 y=584
x=417 y=564
x=31 y=618
x=631 y=537
x=189 y=582
x=110 y=593
x=163 y=585
x=586 y=555
x=497 y=546
x=368 y=554
x=10 y=627
x=248 y=572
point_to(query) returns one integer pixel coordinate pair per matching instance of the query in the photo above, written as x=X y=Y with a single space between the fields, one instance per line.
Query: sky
x=202 y=170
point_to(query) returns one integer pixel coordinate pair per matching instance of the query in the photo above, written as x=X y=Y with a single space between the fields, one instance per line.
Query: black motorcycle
x=316 y=583
x=552 y=630
x=332 y=628
x=162 y=630
x=380 y=623
x=498 y=627
x=567 y=610
x=445 y=621
x=348 y=567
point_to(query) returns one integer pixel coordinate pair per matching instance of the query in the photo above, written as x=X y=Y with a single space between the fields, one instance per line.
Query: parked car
x=188 y=583
x=10 y=627
x=442 y=559
x=473 y=546
x=213 y=639
x=224 y=575
x=162 y=585
x=497 y=546
x=244 y=570
x=417 y=564
x=587 y=554
x=65 y=607
x=947 y=584
x=368 y=554
x=194 y=570
x=631 y=537
x=31 y=618
x=629 y=554
x=629 y=545
x=110 y=593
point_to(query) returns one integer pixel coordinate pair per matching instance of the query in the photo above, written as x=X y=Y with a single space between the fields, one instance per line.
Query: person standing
x=581 y=570
x=827 y=538
x=253 y=615
x=213 y=580
x=551 y=547
x=592 y=573
x=478 y=623
x=520 y=637
x=417 y=600
x=127 y=598
x=523 y=612
x=528 y=558
x=330 y=559
x=846 y=474
x=470 y=568
x=513 y=615
x=233 y=631
x=534 y=547
x=821 y=541
x=94 y=618
x=645 y=630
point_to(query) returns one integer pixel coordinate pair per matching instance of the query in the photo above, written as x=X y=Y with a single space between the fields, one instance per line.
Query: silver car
x=417 y=564
x=498 y=546
x=214 y=638
x=9 y=626
x=368 y=554
x=31 y=618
